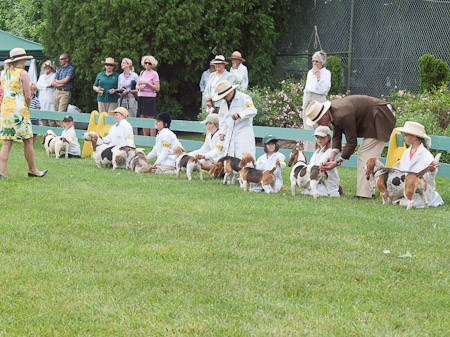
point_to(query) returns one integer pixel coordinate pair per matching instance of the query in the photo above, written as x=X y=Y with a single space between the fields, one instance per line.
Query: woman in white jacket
x=416 y=158
x=46 y=91
x=318 y=83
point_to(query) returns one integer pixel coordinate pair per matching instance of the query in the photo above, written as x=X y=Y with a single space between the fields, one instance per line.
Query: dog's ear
x=43 y=139
x=64 y=139
x=94 y=142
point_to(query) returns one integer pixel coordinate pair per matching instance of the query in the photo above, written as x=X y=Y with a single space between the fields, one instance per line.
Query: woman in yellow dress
x=14 y=119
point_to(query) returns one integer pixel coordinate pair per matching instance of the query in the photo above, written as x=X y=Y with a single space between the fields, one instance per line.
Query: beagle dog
x=227 y=165
x=185 y=162
x=54 y=144
x=304 y=175
x=139 y=162
x=105 y=155
x=251 y=176
x=393 y=183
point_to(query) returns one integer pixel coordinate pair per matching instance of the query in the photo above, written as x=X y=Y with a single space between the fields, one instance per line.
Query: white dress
x=419 y=161
x=267 y=163
x=318 y=158
x=46 y=95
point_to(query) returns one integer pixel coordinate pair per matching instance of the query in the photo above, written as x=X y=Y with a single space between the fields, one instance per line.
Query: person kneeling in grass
x=212 y=149
x=70 y=135
x=166 y=140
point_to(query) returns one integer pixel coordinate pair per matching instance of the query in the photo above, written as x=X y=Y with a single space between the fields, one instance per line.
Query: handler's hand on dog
x=200 y=156
x=235 y=117
x=222 y=137
x=433 y=167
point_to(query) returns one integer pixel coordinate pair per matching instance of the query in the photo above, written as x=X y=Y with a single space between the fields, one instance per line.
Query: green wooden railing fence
x=438 y=142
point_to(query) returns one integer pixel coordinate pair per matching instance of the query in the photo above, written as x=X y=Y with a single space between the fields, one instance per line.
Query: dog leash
x=228 y=147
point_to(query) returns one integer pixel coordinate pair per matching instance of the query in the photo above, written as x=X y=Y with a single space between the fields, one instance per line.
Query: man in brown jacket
x=355 y=116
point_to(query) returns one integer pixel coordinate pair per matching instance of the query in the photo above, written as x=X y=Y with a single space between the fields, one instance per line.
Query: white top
x=46 y=95
x=333 y=178
x=419 y=161
x=210 y=88
x=166 y=140
x=212 y=148
x=71 y=136
x=120 y=134
x=267 y=163
x=240 y=76
x=323 y=86
x=239 y=135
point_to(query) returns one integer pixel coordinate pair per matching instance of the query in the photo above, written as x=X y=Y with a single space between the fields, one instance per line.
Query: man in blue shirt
x=63 y=82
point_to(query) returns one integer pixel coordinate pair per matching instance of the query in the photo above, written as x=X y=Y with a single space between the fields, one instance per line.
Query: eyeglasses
x=109 y=65
x=148 y=63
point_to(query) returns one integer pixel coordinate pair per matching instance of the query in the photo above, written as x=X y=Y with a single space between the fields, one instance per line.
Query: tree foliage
x=335 y=67
x=183 y=35
x=433 y=73
x=21 y=18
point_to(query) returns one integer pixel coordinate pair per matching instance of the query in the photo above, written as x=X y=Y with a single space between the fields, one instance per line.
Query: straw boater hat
x=415 y=129
x=122 y=111
x=237 y=55
x=223 y=88
x=212 y=118
x=219 y=59
x=315 y=111
x=50 y=64
x=109 y=60
x=17 y=54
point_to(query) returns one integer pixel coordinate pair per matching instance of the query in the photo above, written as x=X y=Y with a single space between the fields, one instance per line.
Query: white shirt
x=318 y=158
x=419 y=161
x=239 y=135
x=46 y=95
x=71 y=136
x=212 y=148
x=120 y=134
x=267 y=163
x=166 y=140
x=240 y=76
x=318 y=87
x=210 y=88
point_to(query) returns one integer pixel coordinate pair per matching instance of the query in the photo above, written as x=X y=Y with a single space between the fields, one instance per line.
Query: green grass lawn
x=95 y=252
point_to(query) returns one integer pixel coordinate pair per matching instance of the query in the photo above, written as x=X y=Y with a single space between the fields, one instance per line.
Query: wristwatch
x=338 y=162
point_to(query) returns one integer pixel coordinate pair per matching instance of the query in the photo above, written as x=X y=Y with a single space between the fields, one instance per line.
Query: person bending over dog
x=212 y=150
x=166 y=140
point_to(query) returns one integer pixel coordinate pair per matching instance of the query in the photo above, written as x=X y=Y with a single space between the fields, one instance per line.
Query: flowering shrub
x=279 y=107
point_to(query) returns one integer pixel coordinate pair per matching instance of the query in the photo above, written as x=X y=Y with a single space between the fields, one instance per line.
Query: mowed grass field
x=95 y=252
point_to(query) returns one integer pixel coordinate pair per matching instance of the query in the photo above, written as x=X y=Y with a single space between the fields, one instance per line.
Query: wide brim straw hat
x=415 y=129
x=223 y=88
x=122 y=111
x=17 y=54
x=109 y=60
x=219 y=59
x=50 y=64
x=315 y=111
x=236 y=55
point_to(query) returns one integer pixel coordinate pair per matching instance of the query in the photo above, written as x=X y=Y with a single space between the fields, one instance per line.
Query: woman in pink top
x=148 y=86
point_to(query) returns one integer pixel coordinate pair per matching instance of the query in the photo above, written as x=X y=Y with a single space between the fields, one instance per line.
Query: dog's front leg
x=313 y=184
x=66 y=150
x=244 y=185
x=266 y=188
x=189 y=172
x=327 y=186
x=199 y=169
x=225 y=178
x=99 y=163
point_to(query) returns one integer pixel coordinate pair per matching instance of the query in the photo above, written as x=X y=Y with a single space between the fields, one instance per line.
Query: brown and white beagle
x=229 y=166
x=185 y=162
x=139 y=162
x=54 y=144
x=393 y=183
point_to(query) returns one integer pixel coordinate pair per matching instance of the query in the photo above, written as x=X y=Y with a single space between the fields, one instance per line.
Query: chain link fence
x=379 y=41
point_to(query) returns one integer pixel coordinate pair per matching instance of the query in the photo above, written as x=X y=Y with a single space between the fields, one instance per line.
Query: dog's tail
x=425 y=170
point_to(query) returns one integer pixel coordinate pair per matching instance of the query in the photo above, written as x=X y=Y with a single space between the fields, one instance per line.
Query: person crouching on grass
x=121 y=133
x=70 y=135
x=322 y=152
x=270 y=159
x=166 y=140
x=212 y=150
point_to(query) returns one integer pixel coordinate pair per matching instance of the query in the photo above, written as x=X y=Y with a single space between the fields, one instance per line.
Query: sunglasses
x=148 y=63
x=109 y=65
x=64 y=58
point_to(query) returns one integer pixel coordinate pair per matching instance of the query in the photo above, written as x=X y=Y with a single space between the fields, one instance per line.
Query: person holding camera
x=105 y=86
x=127 y=89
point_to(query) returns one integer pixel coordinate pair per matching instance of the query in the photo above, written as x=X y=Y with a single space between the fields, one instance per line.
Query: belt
x=62 y=89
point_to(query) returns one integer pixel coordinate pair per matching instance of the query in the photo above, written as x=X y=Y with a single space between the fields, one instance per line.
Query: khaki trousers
x=369 y=148
x=61 y=101
x=164 y=169
x=107 y=107
x=308 y=97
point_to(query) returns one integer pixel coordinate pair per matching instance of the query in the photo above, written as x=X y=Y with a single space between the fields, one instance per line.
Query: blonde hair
x=151 y=59
x=14 y=64
x=48 y=63
x=322 y=56
x=33 y=87
x=128 y=61
x=327 y=145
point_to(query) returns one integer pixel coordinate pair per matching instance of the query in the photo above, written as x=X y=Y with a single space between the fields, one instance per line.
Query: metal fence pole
x=350 y=46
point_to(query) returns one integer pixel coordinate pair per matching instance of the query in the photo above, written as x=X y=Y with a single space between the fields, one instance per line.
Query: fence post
x=350 y=45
